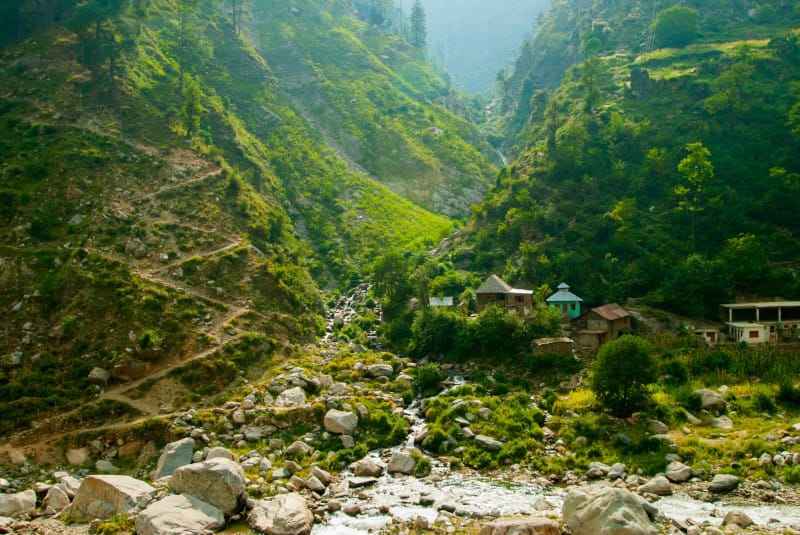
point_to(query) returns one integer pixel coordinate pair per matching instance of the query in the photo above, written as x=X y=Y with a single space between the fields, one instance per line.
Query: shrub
x=621 y=373
x=676 y=26
x=789 y=395
x=428 y=378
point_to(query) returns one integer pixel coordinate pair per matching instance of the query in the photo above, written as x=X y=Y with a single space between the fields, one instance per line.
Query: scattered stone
x=104 y=466
x=521 y=526
x=737 y=518
x=175 y=455
x=322 y=475
x=293 y=397
x=17 y=504
x=358 y=482
x=402 y=462
x=352 y=509
x=659 y=485
x=657 y=427
x=78 y=456
x=488 y=443
x=602 y=510
x=367 y=468
x=219 y=482
x=765 y=460
x=340 y=422
x=285 y=514
x=379 y=370
x=55 y=501
x=218 y=452
x=178 y=515
x=617 y=471
x=722 y=422
x=677 y=472
x=106 y=496
x=99 y=376
x=597 y=470
x=710 y=400
x=723 y=483
x=298 y=449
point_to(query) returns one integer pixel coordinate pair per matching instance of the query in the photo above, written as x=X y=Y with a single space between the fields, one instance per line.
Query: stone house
x=495 y=291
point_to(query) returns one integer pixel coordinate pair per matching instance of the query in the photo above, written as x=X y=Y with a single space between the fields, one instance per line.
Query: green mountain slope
x=173 y=237
x=376 y=101
x=611 y=191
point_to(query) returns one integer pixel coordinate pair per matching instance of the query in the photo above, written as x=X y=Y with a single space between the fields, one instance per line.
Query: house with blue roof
x=565 y=301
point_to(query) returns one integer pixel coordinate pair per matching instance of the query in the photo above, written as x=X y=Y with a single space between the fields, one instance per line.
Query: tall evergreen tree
x=419 y=32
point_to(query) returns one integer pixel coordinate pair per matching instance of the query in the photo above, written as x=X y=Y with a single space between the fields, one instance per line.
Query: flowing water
x=470 y=494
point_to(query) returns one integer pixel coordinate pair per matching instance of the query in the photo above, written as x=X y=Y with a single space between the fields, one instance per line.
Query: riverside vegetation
x=189 y=191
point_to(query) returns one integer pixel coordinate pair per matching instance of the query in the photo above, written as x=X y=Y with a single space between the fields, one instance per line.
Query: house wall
x=571 y=308
x=751 y=334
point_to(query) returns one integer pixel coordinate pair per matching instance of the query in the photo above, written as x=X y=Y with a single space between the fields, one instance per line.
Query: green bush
x=676 y=26
x=621 y=373
x=789 y=395
x=428 y=379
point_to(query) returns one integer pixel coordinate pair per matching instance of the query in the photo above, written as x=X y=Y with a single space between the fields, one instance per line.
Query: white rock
x=55 y=501
x=603 y=510
x=179 y=515
x=292 y=397
x=106 y=496
x=18 y=503
x=286 y=514
x=219 y=482
x=340 y=422
x=175 y=455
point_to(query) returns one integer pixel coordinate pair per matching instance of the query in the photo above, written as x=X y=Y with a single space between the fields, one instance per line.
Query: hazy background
x=474 y=39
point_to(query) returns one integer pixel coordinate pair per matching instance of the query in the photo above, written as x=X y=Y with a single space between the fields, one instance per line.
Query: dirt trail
x=44 y=433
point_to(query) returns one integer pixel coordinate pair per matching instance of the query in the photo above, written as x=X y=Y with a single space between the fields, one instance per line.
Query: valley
x=268 y=249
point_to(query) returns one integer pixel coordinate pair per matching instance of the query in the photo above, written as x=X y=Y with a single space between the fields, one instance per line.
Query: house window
x=753 y=334
x=572 y=306
x=519 y=299
x=501 y=297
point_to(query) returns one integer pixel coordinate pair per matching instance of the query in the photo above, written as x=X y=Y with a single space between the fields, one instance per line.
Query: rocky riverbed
x=289 y=457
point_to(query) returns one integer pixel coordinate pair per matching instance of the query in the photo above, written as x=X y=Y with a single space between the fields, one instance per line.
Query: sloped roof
x=563 y=295
x=494 y=285
x=441 y=301
x=611 y=312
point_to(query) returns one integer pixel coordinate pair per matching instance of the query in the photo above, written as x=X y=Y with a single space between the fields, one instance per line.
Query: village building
x=602 y=324
x=495 y=291
x=565 y=301
x=441 y=302
x=709 y=336
x=762 y=322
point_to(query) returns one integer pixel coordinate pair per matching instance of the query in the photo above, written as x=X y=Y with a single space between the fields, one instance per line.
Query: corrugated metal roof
x=611 y=312
x=563 y=295
x=494 y=285
x=441 y=301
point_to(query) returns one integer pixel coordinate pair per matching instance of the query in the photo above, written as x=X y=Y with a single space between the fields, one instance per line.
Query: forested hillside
x=165 y=197
x=658 y=155
x=377 y=101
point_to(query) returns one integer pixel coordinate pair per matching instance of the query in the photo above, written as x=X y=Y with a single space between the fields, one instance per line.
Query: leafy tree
x=697 y=170
x=391 y=282
x=419 y=32
x=621 y=373
x=239 y=9
x=191 y=109
x=589 y=74
x=676 y=26
x=435 y=331
x=186 y=42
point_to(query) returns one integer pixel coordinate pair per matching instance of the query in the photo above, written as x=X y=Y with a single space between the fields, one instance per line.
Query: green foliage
x=435 y=331
x=676 y=26
x=428 y=379
x=621 y=374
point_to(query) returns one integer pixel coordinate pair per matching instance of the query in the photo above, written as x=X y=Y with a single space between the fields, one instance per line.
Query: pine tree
x=419 y=32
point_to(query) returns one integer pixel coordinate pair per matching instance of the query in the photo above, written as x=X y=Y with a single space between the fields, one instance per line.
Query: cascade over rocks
x=521 y=526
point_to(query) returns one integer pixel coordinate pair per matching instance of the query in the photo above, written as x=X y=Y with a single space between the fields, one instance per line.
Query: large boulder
x=340 y=422
x=293 y=397
x=178 y=515
x=521 y=526
x=106 y=496
x=659 y=485
x=710 y=400
x=18 y=503
x=723 y=483
x=603 y=510
x=402 y=462
x=367 y=467
x=285 y=514
x=379 y=370
x=175 y=455
x=488 y=443
x=677 y=472
x=55 y=501
x=219 y=482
